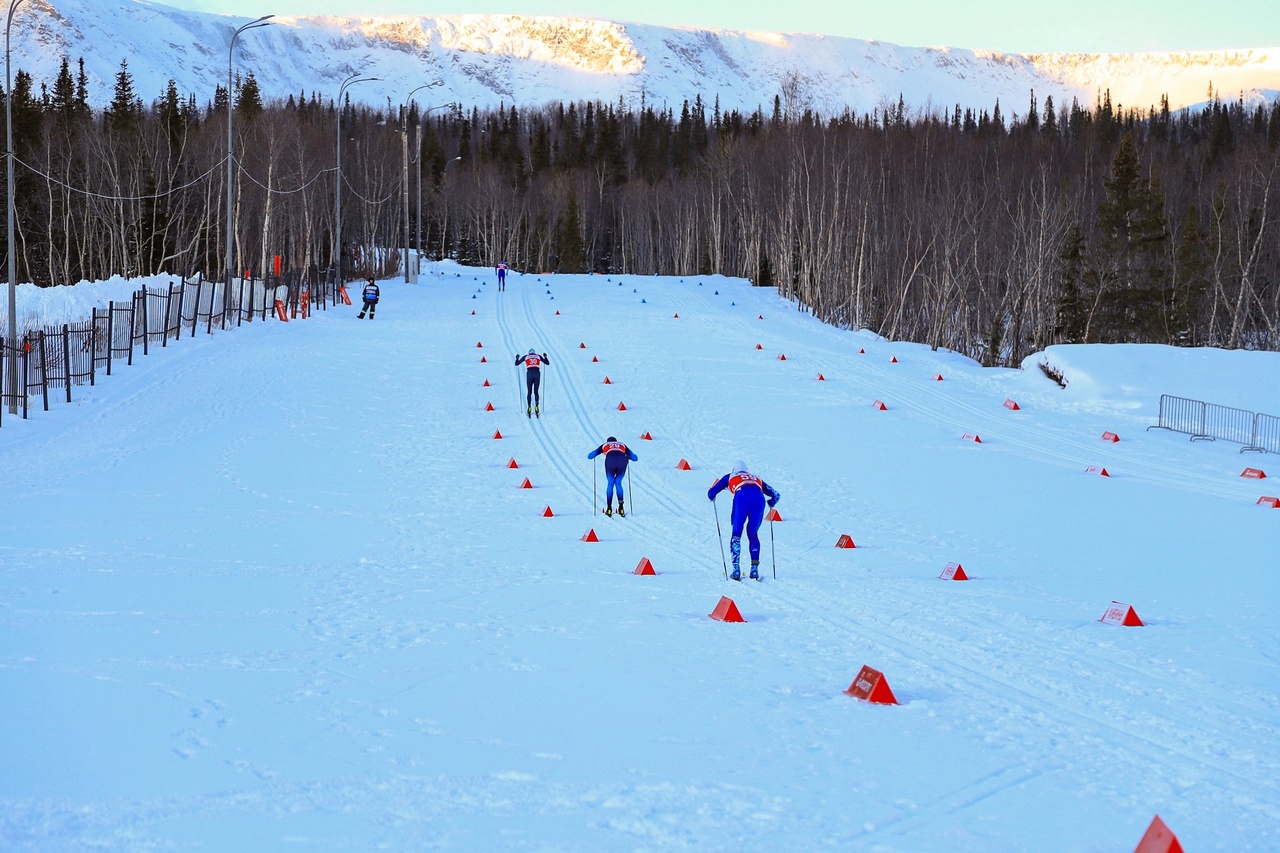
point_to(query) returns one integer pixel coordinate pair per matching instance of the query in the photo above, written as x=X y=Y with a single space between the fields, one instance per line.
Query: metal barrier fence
x=1255 y=431
x=56 y=358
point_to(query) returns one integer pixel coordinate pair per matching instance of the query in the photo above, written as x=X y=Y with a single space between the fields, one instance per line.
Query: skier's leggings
x=533 y=382
x=748 y=512
x=613 y=481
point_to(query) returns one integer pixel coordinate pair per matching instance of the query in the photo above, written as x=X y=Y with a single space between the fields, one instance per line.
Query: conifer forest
x=961 y=228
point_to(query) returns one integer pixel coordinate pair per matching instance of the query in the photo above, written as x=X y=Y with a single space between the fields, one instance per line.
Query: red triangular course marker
x=1274 y=503
x=675 y=316
x=1121 y=614
x=527 y=485
x=862 y=352
x=473 y=313
x=937 y=377
x=547 y=513
x=759 y=347
x=645 y=436
x=607 y=381
x=879 y=407
x=594 y=359
x=483 y=360
x=479 y=345
x=644 y=567
x=953 y=572
x=820 y=378
x=870 y=685
x=683 y=465
x=622 y=407
x=590 y=536
x=512 y=463
x=845 y=541
x=1111 y=437
x=497 y=433
x=1011 y=406
x=486 y=384
x=1254 y=473
x=1097 y=469
x=557 y=313
x=972 y=436
x=782 y=357
x=761 y=317
x=488 y=407
x=582 y=346
x=726 y=611
x=1158 y=839
x=893 y=360
x=772 y=515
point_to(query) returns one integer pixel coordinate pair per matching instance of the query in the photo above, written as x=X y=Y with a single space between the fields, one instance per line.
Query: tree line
x=960 y=228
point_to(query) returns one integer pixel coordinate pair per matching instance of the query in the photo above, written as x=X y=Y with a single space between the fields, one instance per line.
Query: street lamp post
x=13 y=255
x=404 y=172
x=444 y=223
x=418 y=206
x=252 y=25
x=337 y=183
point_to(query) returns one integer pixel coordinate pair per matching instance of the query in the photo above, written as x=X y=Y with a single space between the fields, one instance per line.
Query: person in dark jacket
x=532 y=380
x=749 y=492
x=370 y=297
x=616 y=457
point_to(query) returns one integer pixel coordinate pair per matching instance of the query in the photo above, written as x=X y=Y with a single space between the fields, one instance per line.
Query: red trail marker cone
x=527 y=485
x=1097 y=469
x=607 y=381
x=726 y=611
x=547 y=513
x=870 y=685
x=1121 y=614
x=479 y=345
x=488 y=407
x=772 y=515
x=644 y=567
x=622 y=407
x=557 y=313
x=486 y=384
x=590 y=536
x=484 y=360
x=879 y=407
x=582 y=346
x=937 y=377
x=1012 y=406
x=759 y=347
x=972 y=436
x=845 y=541
x=683 y=465
x=594 y=360
x=1274 y=503
x=512 y=463
x=893 y=360
x=820 y=378
x=1111 y=437
x=782 y=357
x=1254 y=474
x=497 y=433
x=645 y=436
x=953 y=572
x=1158 y=838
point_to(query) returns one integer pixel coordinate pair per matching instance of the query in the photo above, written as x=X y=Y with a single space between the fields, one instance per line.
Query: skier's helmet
x=739 y=467
x=611 y=438
x=533 y=351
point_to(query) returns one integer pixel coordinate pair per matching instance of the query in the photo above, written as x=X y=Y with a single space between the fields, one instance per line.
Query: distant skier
x=370 y=297
x=502 y=276
x=749 y=493
x=533 y=380
x=616 y=457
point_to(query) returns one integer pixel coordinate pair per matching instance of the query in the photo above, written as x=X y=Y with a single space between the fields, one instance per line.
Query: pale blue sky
x=1026 y=26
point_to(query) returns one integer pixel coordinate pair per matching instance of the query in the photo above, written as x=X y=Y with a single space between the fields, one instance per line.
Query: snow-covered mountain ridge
x=485 y=60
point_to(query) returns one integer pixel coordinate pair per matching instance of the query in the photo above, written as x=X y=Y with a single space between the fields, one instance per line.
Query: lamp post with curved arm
x=404 y=172
x=337 y=182
x=418 y=205
x=252 y=25
x=13 y=255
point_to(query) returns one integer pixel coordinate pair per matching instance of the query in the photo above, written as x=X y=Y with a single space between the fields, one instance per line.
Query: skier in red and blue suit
x=502 y=275
x=749 y=492
x=616 y=457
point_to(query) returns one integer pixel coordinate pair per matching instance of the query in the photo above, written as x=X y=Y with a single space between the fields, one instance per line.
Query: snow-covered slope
x=252 y=608
x=489 y=59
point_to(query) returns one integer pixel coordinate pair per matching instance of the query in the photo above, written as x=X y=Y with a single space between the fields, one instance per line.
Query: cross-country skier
x=370 y=297
x=502 y=276
x=532 y=380
x=616 y=457
x=749 y=493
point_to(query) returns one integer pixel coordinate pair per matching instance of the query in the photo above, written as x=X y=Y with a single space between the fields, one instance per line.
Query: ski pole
x=630 y=492
x=594 y=468
x=773 y=555
x=721 y=538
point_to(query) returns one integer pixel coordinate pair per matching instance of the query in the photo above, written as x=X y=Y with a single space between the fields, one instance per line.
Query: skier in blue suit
x=749 y=492
x=616 y=457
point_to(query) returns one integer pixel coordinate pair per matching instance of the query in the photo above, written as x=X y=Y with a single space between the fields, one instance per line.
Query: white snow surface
x=278 y=588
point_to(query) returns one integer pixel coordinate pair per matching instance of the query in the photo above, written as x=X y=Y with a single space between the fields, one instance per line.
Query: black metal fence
x=54 y=359
x=1209 y=421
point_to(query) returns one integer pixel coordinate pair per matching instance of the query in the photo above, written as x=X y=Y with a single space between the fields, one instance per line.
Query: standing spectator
x=370 y=297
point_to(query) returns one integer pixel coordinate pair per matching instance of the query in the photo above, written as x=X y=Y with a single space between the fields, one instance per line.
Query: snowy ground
x=278 y=588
